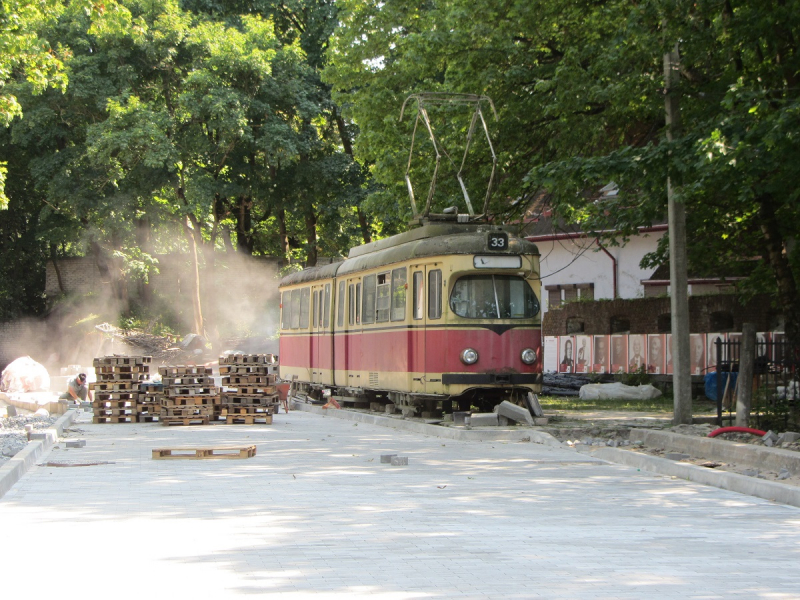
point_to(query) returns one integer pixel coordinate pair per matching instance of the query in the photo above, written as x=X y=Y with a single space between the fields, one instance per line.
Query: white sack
x=618 y=391
x=25 y=375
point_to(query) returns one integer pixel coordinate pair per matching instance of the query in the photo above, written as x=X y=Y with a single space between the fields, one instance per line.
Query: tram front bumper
x=473 y=379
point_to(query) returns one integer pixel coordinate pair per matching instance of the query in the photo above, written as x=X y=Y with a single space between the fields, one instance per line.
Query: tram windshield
x=493 y=297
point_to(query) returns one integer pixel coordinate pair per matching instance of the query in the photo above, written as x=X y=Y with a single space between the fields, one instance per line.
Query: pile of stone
x=13 y=436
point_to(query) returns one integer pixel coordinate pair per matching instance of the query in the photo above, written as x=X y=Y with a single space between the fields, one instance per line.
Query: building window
x=721 y=321
x=620 y=325
x=575 y=325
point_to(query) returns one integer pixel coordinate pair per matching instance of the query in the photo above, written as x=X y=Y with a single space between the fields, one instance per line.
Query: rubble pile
x=12 y=433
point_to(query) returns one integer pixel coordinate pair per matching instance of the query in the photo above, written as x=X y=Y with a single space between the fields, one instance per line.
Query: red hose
x=757 y=432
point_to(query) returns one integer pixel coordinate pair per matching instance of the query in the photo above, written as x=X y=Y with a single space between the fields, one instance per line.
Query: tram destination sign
x=497 y=262
x=498 y=241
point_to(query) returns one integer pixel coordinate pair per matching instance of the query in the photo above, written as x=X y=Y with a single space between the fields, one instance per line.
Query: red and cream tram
x=442 y=314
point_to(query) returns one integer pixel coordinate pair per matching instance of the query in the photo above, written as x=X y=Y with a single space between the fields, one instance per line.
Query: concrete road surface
x=316 y=514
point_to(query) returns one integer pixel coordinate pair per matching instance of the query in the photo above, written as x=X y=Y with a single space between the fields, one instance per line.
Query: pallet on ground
x=149 y=418
x=117 y=396
x=203 y=453
x=114 y=412
x=115 y=419
x=254 y=399
x=183 y=421
x=109 y=404
x=248 y=410
x=185 y=411
x=263 y=418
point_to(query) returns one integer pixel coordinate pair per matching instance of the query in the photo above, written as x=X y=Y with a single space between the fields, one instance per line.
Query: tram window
x=318 y=320
x=368 y=306
x=340 y=306
x=383 y=302
x=419 y=294
x=493 y=297
x=305 y=294
x=285 y=310
x=314 y=308
x=326 y=318
x=435 y=294
x=294 y=308
x=358 y=302
x=352 y=306
x=399 y=294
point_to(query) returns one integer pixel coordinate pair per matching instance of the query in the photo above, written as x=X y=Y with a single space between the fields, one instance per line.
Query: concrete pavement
x=316 y=513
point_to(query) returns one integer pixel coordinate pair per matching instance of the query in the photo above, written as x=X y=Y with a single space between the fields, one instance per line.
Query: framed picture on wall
x=619 y=353
x=600 y=355
x=697 y=353
x=636 y=352
x=655 y=353
x=566 y=364
x=583 y=353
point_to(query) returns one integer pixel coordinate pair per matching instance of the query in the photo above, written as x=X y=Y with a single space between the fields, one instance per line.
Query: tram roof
x=433 y=239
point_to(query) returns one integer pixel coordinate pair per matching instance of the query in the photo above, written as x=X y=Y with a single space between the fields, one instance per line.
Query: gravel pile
x=12 y=433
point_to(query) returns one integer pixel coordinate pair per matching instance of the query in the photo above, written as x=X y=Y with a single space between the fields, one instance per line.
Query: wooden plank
x=203 y=453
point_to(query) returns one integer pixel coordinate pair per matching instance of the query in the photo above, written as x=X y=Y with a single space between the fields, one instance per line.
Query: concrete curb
x=518 y=434
x=751 y=486
x=773 y=459
x=22 y=461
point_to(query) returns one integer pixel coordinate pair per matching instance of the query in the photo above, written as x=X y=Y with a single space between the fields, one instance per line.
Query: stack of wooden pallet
x=150 y=402
x=255 y=397
x=189 y=397
x=117 y=390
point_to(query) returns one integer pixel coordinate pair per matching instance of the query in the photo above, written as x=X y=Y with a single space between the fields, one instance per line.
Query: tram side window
x=358 y=302
x=285 y=310
x=340 y=306
x=384 y=298
x=305 y=295
x=294 y=308
x=419 y=294
x=399 y=294
x=352 y=306
x=326 y=318
x=435 y=294
x=368 y=306
x=318 y=318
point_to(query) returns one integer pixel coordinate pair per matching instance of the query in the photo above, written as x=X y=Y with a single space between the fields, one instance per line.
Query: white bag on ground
x=618 y=391
x=25 y=375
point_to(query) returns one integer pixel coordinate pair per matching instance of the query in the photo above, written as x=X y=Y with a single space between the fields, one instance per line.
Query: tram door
x=426 y=312
x=320 y=354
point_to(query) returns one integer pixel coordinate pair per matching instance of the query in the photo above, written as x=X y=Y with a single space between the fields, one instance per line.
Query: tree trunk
x=244 y=225
x=347 y=144
x=779 y=263
x=311 y=236
x=284 y=237
x=199 y=326
x=54 y=259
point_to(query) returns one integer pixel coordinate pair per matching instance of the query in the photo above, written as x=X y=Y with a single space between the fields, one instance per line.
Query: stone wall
x=651 y=315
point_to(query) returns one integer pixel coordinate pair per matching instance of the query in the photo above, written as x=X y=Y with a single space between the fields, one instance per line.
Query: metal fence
x=776 y=383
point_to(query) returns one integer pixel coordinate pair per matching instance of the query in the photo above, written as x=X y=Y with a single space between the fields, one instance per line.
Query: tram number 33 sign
x=498 y=241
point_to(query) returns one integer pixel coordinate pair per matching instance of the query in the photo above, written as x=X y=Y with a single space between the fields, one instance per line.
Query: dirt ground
x=610 y=428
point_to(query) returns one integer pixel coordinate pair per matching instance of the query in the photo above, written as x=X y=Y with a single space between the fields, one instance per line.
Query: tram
x=443 y=316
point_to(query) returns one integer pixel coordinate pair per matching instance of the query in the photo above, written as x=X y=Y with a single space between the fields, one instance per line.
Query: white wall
x=574 y=261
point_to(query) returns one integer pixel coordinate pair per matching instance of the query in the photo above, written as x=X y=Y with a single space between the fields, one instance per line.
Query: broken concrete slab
x=459 y=417
x=11 y=410
x=676 y=456
x=387 y=458
x=76 y=443
x=770 y=435
x=399 y=461
x=483 y=420
x=512 y=411
x=787 y=437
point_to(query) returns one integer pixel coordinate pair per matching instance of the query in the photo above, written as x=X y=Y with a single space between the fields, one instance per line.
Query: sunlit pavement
x=316 y=513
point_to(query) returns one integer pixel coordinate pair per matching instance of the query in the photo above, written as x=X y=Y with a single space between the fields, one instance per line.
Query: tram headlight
x=528 y=356
x=469 y=356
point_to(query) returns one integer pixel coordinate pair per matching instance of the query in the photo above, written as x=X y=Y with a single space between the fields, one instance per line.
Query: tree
x=578 y=87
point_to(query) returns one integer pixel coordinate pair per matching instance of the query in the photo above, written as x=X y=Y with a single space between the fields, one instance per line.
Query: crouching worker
x=77 y=389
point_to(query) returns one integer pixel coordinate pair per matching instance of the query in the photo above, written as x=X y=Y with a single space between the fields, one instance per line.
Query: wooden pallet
x=190 y=401
x=116 y=396
x=252 y=399
x=115 y=386
x=128 y=369
x=249 y=380
x=203 y=453
x=173 y=392
x=265 y=418
x=188 y=380
x=121 y=360
x=185 y=421
x=149 y=418
x=184 y=371
x=101 y=403
x=114 y=412
x=120 y=377
x=185 y=411
x=243 y=370
x=115 y=419
x=247 y=359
